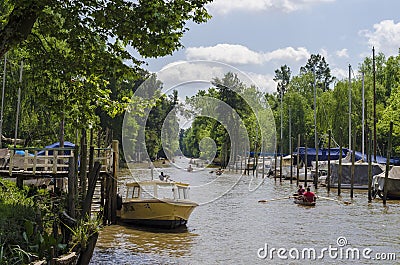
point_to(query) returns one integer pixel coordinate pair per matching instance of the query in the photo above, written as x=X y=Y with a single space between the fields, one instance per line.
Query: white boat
x=393 y=184
x=156 y=203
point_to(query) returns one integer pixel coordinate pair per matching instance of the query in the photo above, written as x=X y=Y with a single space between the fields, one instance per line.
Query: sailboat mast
x=373 y=71
x=363 y=116
x=349 y=107
x=315 y=132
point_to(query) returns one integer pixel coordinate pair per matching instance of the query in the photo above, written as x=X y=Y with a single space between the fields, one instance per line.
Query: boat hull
x=305 y=203
x=156 y=213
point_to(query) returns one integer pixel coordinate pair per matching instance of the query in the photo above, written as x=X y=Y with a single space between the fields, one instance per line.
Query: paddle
x=330 y=199
x=277 y=199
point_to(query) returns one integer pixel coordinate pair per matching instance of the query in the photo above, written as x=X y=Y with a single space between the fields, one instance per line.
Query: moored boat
x=393 y=185
x=156 y=203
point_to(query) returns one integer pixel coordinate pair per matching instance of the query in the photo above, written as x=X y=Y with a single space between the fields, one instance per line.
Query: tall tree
x=282 y=76
x=323 y=76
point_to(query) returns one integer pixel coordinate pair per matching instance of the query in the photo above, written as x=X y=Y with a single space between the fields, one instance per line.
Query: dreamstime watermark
x=341 y=251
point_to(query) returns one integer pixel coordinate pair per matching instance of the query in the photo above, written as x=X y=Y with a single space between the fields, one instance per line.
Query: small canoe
x=300 y=201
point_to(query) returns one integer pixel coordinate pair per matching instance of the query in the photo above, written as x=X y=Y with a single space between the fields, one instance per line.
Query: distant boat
x=156 y=203
x=393 y=184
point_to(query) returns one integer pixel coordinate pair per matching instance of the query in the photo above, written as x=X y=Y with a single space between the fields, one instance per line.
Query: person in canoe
x=163 y=177
x=309 y=196
x=301 y=190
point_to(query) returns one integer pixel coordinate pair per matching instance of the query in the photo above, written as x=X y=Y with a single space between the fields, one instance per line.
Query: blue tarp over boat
x=335 y=153
x=57 y=145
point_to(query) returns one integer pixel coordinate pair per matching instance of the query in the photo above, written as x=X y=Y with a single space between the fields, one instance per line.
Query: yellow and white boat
x=156 y=203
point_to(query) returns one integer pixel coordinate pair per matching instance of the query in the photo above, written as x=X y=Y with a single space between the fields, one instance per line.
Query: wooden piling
x=276 y=164
x=115 y=145
x=91 y=157
x=353 y=158
x=71 y=187
x=389 y=153
x=83 y=166
x=20 y=181
x=305 y=169
x=298 y=160
x=103 y=199
x=340 y=171
x=280 y=167
x=291 y=162
x=316 y=174
x=369 y=167
x=328 y=178
x=76 y=168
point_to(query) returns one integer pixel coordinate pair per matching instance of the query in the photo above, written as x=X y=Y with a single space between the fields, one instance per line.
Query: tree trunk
x=20 y=24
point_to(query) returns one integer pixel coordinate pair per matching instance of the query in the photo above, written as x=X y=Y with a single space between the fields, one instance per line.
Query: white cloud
x=187 y=77
x=238 y=54
x=227 y=6
x=288 y=53
x=385 y=37
x=342 y=53
x=228 y=53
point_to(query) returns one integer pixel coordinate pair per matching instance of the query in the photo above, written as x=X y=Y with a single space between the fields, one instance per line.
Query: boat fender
x=119 y=202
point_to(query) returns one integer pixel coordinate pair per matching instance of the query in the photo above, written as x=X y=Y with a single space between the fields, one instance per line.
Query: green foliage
x=15 y=209
x=225 y=114
x=77 y=60
x=41 y=242
x=85 y=229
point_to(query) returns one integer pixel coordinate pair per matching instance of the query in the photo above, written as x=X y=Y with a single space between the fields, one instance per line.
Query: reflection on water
x=143 y=244
x=232 y=228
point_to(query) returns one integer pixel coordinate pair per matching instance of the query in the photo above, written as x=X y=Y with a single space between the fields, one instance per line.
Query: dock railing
x=43 y=161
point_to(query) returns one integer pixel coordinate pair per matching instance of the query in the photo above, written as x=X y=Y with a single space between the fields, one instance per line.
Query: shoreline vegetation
x=33 y=230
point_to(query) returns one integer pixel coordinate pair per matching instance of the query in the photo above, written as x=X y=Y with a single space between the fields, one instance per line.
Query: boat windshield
x=133 y=192
x=182 y=193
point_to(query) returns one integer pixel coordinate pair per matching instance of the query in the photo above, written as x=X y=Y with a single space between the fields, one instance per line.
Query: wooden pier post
x=328 y=178
x=276 y=164
x=353 y=158
x=298 y=160
x=280 y=167
x=340 y=171
x=91 y=157
x=71 y=187
x=291 y=161
x=369 y=167
x=83 y=164
x=389 y=154
x=115 y=145
x=305 y=168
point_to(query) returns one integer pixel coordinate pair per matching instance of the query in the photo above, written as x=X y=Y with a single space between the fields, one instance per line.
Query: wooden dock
x=62 y=167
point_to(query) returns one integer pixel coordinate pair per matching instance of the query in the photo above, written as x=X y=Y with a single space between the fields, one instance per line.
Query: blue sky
x=258 y=36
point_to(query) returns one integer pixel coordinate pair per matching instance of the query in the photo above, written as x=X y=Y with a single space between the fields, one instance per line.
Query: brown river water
x=231 y=227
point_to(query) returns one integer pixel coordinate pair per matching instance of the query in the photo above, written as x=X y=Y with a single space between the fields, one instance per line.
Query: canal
x=232 y=227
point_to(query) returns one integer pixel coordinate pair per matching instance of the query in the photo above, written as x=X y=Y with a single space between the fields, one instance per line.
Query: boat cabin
x=157 y=190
